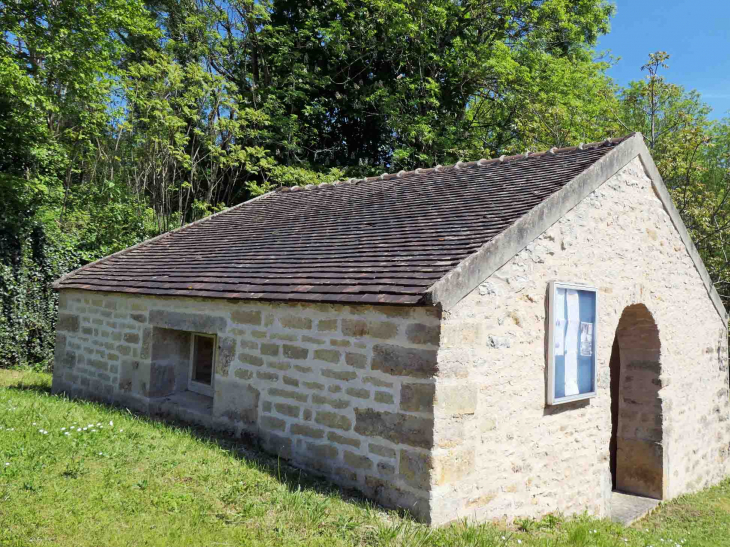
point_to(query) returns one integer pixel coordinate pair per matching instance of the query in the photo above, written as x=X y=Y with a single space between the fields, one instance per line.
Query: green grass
x=135 y=481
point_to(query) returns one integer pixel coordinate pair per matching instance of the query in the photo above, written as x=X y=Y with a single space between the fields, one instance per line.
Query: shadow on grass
x=246 y=448
x=38 y=387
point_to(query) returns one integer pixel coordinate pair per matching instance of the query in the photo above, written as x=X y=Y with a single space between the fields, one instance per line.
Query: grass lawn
x=127 y=480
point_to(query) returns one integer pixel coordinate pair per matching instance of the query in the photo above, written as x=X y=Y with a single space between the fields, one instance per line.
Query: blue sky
x=695 y=33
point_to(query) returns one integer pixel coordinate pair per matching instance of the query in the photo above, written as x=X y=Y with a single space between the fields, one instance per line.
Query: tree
x=368 y=85
x=58 y=66
x=692 y=155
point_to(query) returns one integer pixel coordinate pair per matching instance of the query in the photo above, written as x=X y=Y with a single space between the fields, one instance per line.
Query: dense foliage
x=122 y=119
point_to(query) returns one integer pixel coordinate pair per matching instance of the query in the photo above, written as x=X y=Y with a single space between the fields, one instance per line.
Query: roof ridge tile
x=462 y=165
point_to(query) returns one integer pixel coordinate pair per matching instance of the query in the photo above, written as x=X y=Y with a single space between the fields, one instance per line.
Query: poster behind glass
x=572 y=334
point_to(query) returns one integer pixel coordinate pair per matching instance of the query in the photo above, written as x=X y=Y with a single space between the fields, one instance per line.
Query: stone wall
x=342 y=390
x=499 y=451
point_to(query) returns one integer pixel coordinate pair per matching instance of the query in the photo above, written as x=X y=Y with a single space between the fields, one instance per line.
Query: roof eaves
x=57 y=284
x=457 y=166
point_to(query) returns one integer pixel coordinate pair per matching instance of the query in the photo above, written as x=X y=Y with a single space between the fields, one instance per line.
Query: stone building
x=402 y=334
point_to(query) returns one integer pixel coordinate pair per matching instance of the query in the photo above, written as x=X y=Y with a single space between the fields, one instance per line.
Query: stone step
x=628 y=508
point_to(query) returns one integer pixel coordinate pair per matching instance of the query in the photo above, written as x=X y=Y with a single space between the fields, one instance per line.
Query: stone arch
x=637 y=454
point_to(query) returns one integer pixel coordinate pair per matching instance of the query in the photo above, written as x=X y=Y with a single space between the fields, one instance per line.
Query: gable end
x=473 y=270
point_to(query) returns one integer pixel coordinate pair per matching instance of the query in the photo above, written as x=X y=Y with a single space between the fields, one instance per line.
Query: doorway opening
x=636 y=452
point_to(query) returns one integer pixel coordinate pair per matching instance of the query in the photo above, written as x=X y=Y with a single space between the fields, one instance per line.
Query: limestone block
x=307 y=431
x=246 y=317
x=267 y=376
x=339 y=439
x=395 y=427
x=333 y=420
x=462 y=333
x=425 y=335
x=453 y=465
x=270 y=349
x=287 y=409
x=295 y=352
x=328 y=355
x=359 y=328
x=270 y=423
x=287 y=394
x=377 y=382
x=289 y=381
x=415 y=468
x=382 y=451
x=358 y=393
x=191 y=322
x=251 y=359
x=242 y=374
x=357 y=461
x=344 y=376
x=226 y=354
x=67 y=322
x=327 y=325
x=322 y=451
x=400 y=361
x=131 y=337
x=334 y=403
x=237 y=402
x=417 y=397
x=295 y=322
x=356 y=360
x=455 y=399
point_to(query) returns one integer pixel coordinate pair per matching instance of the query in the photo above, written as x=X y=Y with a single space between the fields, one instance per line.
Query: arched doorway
x=636 y=451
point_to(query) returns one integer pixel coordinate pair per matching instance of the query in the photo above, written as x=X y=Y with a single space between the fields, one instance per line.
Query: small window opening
x=201 y=364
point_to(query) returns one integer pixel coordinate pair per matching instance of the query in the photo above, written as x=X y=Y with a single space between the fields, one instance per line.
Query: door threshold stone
x=628 y=508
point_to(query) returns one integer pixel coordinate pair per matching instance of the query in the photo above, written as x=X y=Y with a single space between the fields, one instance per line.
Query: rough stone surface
x=333 y=420
x=423 y=334
x=395 y=427
x=417 y=397
x=187 y=321
x=627 y=509
x=400 y=361
x=376 y=329
x=415 y=468
x=67 y=322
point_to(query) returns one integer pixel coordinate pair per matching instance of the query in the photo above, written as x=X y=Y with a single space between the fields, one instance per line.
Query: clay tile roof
x=383 y=239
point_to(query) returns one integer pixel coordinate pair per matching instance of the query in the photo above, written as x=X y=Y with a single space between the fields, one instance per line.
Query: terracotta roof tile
x=383 y=239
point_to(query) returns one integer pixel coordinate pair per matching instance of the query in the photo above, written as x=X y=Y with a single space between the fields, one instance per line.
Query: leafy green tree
x=59 y=62
x=121 y=119
x=693 y=156
x=374 y=84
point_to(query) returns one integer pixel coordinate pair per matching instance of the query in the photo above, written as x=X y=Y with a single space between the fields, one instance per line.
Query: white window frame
x=551 y=399
x=197 y=387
